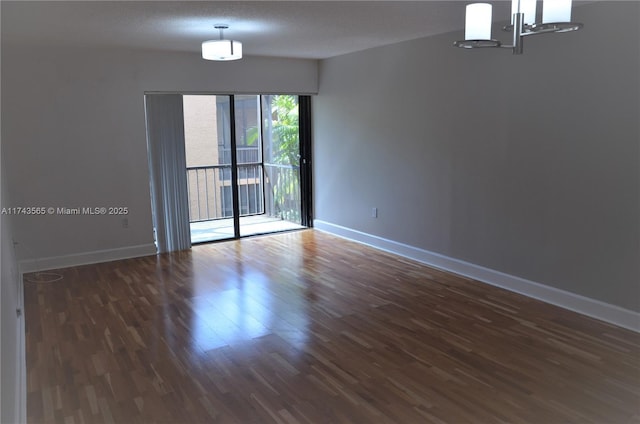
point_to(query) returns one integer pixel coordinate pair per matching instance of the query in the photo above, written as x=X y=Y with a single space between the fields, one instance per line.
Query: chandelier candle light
x=556 y=17
x=222 y=49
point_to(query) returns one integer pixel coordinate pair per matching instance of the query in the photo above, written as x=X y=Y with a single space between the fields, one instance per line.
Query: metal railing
x=210 y=196
x=243 y=154
x=205 y=186
x=262 y=189
x=282 y=196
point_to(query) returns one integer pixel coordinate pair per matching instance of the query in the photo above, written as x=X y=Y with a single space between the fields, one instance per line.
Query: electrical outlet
x=374 y=212
x=125 y=222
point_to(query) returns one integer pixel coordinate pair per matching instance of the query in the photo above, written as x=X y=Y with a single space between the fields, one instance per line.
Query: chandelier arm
x=557 y=27
x=518 y=22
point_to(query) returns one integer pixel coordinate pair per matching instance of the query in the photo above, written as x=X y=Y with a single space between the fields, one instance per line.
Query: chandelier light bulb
x=478 y=22
x=556 y=11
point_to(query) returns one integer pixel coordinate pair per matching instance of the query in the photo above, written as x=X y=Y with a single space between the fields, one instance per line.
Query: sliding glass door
x=250 y=167
x=207 y=128
x=281 y=140
x=243 y=156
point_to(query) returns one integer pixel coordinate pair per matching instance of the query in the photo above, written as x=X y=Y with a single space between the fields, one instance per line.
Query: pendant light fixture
x=222 y=49
x=556 y=17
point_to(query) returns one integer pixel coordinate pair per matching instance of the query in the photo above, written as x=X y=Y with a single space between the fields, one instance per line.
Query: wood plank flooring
x=308 y=328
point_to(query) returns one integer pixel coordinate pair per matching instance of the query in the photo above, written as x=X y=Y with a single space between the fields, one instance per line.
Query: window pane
x=282 y=156
x=208 y=155
x=249 y=151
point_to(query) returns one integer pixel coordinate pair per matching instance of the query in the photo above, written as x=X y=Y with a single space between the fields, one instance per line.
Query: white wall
x=527 y=165
x=11 y=326
x=74 y=135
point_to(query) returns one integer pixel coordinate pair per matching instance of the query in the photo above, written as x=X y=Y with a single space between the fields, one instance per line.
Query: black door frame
x=235 y=194
x=306 y=186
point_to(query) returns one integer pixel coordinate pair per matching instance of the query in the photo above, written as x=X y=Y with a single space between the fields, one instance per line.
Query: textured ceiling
x=300 y=29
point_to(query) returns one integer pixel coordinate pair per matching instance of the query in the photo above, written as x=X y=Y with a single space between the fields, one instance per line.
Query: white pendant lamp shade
x=478 y=22
x=556 y=11
x=527 y=7
x=222 y=50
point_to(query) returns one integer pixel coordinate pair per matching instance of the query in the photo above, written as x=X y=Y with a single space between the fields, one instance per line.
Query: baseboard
x=56 y=262
x=574 y=302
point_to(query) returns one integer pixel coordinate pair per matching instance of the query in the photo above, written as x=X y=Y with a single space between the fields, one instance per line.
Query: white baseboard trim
x=56 y=262
x=564 y=299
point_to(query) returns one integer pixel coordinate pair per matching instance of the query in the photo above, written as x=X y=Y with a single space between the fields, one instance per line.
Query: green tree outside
x=283 y=126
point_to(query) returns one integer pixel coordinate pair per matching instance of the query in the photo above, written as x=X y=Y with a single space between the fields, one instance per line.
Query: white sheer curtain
x=167 y=165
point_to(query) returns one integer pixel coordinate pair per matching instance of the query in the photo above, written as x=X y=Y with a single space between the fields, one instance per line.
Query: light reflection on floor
x=251 y=310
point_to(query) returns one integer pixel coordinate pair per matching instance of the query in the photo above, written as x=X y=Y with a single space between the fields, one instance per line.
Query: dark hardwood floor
x=308 y=328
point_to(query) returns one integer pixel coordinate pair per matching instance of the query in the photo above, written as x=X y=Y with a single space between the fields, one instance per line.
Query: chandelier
x=556 y=17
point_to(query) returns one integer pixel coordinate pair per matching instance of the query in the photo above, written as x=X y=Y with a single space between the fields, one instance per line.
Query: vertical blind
x=167 y=164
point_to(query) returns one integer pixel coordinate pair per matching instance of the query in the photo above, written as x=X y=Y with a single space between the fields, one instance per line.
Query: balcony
x=269 y=200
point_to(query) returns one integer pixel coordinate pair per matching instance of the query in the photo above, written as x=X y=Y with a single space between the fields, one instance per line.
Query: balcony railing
x=262 y=189
x=243 y=154
x=282 y=196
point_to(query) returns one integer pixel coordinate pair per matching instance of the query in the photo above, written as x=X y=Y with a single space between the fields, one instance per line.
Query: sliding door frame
x=306 y=183
x=305 y=151
x=235 y=193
